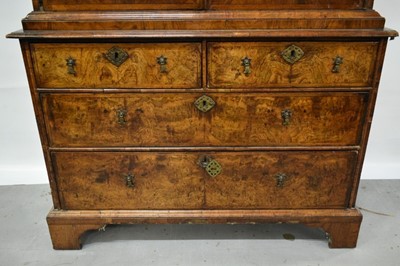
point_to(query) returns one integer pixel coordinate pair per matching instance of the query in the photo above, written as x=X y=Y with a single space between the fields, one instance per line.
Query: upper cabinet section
x=102 y=5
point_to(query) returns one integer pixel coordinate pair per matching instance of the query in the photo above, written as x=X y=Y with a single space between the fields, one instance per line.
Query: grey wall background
x=21 y=159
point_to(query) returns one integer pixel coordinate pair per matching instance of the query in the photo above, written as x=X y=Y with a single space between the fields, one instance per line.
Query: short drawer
x=149 y=65
x=195 y=180
x=233 y=119
x=284 y=64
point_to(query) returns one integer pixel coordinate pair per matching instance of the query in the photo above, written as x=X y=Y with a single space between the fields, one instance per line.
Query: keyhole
x=293 y=53
x=116 y=55
x=204 y=103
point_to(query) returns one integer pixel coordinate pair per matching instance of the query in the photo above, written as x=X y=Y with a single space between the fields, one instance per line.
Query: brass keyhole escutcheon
x=210 y=165
x=117 y=56
x=204 y=103
x=292 y=54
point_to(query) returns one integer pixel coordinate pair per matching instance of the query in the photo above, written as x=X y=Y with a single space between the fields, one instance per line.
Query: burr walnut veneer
x=203 y=111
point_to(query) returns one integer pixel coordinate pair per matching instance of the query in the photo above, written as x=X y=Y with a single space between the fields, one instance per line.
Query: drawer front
x=303 y=64
x=177 y=180
x=168 y=65
x=148 y=119
x=237 y=119
x=88 y=180
x=281 y=180
x=63 y=5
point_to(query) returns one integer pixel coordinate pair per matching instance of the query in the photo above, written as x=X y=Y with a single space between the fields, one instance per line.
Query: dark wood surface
x=94 y=70
x=238 y=119
x=177 y=181
x=78 y=5
x=66 y=227
x=269 y=69
x=212 y=20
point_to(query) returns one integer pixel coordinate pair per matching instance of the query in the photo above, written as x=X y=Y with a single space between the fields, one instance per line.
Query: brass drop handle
x=162 y=61
x=71 y=63
x=129 y=180
x=121 y=116
x=280 y=179
x=210 y=165
x=337 y=61
x=286 y=116
x=246 y=63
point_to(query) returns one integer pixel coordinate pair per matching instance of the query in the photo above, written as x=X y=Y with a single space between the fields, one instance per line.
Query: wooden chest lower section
x=177 y=180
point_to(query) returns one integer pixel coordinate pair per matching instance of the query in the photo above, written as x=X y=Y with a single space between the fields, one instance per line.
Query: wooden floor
x=24 y=237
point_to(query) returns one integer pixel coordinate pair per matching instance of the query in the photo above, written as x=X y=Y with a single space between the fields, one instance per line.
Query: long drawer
x=213 y=119
x=285 y=64
x=196 y=180
x=118 y=65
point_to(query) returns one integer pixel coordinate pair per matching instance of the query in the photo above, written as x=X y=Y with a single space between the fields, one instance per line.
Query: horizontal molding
x=214 y=90
x=202 y=149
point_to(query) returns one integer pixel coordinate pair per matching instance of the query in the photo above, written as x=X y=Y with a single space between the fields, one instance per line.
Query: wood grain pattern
x=140 y=70
x=287 y=4
x=269 y=69
x=249 y=20
x=175 y=180
x=151 y=119
x=67 y=236
x=97 y=181
x=313 y=180
x=141 y=35
x=95 y=5
x=238 y=119
x=79 y=5
x=66 y=227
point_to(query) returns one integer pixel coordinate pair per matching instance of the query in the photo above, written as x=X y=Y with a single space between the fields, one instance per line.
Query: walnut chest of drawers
x=216 y=111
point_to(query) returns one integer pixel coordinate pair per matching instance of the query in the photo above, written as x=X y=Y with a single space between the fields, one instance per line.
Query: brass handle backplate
x=162 y=61
x=71 y=63
x=212 y=167
x=286 y=115
x=246 y=63
x=337 y=61
x=129 y=180
x=204 y=103
x=121 y=116
x=280 y=179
